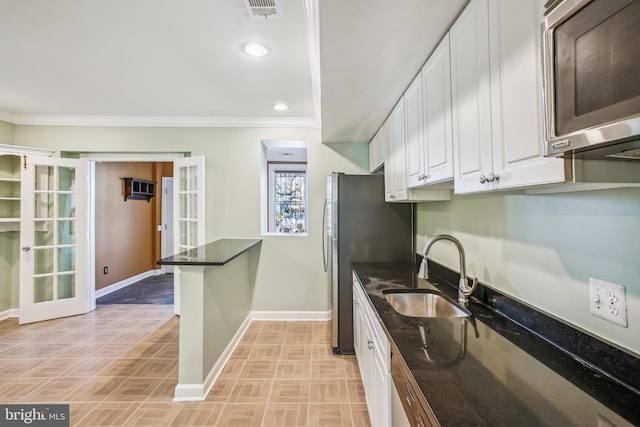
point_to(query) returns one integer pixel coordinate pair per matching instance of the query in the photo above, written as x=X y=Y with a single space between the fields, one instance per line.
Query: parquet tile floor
x=117 y=366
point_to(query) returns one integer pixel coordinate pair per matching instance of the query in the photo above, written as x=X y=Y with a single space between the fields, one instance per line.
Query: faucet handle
x=469 y=290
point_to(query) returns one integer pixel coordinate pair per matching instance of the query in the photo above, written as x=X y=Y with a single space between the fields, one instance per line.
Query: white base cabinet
x=374 y=358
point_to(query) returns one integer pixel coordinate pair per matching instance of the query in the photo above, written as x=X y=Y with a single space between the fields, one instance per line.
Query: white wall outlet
x=608 y=301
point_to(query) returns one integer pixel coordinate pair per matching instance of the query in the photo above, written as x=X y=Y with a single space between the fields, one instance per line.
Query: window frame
x=272 y=168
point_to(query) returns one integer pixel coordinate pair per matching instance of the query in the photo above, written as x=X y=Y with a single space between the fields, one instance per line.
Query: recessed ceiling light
x=280 y=106
x=256 y=49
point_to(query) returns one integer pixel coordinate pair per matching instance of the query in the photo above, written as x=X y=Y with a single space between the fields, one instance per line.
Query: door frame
x=100 y=157
x=167 y=226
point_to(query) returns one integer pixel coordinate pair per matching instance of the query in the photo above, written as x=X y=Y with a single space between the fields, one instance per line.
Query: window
x=284 y=188
x=287 y=197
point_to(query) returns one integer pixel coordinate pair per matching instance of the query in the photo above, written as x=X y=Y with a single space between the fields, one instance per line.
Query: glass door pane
x=54 y=239
x=53 y=261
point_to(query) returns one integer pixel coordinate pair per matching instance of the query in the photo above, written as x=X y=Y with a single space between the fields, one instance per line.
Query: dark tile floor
x=152 y=290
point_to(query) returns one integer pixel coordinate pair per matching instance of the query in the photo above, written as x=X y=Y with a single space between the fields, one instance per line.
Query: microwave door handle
x=324 y=236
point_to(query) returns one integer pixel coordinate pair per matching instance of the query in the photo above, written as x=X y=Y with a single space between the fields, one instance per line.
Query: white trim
x=162 y=121
x=290 y=316
x=126 y=282
x=166 y=227
x=12 y=312
x=145 y=157
x=198 y=392
x=91 y=233
x=19 y=150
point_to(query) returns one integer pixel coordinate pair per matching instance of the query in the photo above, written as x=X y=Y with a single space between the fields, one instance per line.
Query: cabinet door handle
x=413 y=399
x=483 y=179
x=493 y=177
x=369 y=344
x=26 y=248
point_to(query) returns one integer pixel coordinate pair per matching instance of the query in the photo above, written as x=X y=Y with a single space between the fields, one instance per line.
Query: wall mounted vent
x=264 y=8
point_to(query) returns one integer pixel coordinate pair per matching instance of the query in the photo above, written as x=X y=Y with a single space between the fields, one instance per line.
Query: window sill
x=285 y=234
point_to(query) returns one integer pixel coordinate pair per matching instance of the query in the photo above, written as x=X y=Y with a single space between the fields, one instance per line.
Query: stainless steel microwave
x=591 y=78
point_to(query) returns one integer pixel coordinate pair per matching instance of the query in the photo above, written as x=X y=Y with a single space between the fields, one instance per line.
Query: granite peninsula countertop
x=219 y=252
x=500 y=375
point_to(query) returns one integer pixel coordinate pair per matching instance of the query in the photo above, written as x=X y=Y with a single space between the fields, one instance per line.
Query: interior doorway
x=119 y=237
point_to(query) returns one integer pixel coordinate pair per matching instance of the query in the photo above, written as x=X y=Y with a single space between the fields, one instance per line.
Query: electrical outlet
x=608 y=301
x=105 y=270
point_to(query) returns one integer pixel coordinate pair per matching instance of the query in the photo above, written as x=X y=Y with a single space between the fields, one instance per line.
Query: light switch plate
x=608 y=301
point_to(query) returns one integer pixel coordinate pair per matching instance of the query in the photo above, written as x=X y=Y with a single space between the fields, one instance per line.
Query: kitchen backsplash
x=543 y=249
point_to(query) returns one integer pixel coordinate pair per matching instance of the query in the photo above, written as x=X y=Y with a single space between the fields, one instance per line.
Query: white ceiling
x=180 y=63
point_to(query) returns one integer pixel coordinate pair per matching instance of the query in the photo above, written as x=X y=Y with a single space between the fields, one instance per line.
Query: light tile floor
x=117 y=366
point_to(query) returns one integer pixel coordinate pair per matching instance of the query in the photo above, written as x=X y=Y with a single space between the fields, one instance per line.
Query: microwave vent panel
x=264 y=8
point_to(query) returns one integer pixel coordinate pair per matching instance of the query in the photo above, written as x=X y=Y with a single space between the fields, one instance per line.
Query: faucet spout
x=464 y=290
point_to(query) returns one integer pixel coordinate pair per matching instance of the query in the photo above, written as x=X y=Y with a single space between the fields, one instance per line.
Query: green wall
x=542 y=250
x=9 y=244
x=7 y=131
x=290 y=276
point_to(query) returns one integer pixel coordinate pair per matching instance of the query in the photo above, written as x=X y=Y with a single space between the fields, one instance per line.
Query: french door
x=53 y=256
x=188 y=211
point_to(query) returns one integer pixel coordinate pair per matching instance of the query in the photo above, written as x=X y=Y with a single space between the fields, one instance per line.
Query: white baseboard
x=12 y=312
x=291 y=315
x=126 y=282
x=198 y=392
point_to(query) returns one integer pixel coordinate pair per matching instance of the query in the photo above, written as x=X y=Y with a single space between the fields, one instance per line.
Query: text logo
x=34 y=415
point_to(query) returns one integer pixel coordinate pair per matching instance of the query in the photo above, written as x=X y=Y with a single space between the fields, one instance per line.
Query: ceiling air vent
x=264 y=8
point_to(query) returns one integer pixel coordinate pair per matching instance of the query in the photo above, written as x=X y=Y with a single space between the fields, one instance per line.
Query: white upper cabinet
x=394 y=168
x=415 y=144
x=496 y=105
x=438 y=132
x=376 y=152
x=516 y=96
x=471 y=98
x=428 y=117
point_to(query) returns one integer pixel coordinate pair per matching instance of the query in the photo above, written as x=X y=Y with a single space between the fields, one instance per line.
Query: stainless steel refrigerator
x=359 y=226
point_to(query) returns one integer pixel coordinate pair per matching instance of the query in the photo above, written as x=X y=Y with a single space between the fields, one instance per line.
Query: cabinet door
x=358 y=332
x=385 y=133
x=415 y=147
x=436 y=82
x=376 y=152
x=397 y=156
x=471 y=98
x=516 y=96
x=381 y=386
x=53 y=260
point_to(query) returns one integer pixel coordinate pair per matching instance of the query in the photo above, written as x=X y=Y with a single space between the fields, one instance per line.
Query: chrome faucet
x=464 y=290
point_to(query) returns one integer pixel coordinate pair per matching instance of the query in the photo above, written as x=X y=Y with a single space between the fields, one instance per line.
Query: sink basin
x=424 y=303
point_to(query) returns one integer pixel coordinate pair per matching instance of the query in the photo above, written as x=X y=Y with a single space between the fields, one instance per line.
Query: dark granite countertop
x=491 y=371
x=219 y=252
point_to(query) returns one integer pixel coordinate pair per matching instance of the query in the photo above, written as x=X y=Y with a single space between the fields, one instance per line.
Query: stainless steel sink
x=424 y=303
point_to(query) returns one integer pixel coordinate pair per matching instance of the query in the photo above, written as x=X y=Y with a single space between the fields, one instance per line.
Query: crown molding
x=161 y=121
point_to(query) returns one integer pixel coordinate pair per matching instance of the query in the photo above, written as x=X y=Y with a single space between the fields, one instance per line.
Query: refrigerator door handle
x=324 y=236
